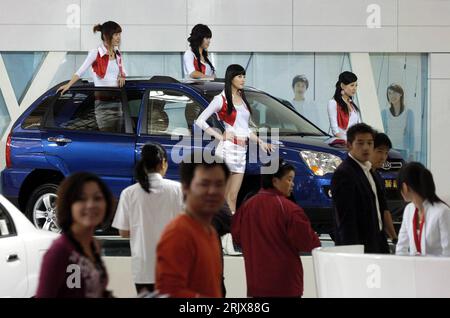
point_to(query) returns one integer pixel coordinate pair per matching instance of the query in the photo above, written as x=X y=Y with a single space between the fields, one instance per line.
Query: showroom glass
x=273 y=73
x=410 y=72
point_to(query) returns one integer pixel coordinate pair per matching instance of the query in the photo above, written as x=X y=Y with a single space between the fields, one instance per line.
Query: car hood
x=317 y=143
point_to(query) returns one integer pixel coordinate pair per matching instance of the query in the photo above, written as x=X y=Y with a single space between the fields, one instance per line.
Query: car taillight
x=8 y=151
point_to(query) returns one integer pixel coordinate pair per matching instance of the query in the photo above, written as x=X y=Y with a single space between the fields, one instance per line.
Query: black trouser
x=142 y=287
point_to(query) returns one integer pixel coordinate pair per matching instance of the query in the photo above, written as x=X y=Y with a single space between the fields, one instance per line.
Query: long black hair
x=198 y=33
x=398 y=89
x=152 y=155
x=232 y=71
x=344 y=78
x=107 y=29
x=420 y=180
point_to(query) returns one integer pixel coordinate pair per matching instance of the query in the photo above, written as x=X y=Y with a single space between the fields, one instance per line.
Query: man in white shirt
x=356 y=195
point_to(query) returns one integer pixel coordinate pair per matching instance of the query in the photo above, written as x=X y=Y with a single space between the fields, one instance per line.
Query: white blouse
x=332 y=116
x=188 y=65
x=435 y=238
x=240 y=128
x=112 y=71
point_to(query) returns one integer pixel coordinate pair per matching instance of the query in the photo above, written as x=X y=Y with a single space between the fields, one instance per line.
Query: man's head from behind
x=203 y=184
x=360 y=140
x=382 y=145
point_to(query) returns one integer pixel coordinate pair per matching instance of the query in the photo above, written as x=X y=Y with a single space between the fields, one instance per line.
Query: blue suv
x=102 y=130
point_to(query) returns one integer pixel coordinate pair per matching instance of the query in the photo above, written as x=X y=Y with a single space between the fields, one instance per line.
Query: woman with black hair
x=144 y=209
x=196 y=63
x=342 y=111
x=106 y=61
x=233 y=109
x=72 y=266
x=425 y=227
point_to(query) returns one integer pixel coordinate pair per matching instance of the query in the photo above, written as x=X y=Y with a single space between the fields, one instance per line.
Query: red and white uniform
x=190 y=65
x=237 y=123
x=340 y=122
x=105 y=71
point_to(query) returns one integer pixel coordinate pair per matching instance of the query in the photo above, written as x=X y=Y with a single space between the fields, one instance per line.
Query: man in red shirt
x=272 y=231
x=189 y=256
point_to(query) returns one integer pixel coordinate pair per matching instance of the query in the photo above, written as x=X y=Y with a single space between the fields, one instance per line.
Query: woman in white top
x=108 y=70
x=144 y=209
x=398 y=122
x=106 y=61
x=425 y=227
x=234 y=111
x=342 y=111
x=196 y=63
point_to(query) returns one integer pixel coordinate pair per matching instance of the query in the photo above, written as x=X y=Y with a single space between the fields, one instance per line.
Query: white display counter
x=345 y=271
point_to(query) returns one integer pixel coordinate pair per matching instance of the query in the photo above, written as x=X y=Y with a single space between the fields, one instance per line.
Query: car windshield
x=268 y=113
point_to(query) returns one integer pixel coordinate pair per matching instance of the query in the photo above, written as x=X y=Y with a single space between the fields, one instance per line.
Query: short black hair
x=191 y=162
x=300 y=78
x=283 y=169
x=70 y=191
x=360 y=128
x=381 y=139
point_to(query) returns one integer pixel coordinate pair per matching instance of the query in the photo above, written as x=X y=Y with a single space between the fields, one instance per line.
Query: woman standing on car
x=72 y=267
x=233 y=109
x=108 y=70
x=106 y=61
x=196 y=63
x=425 y=227
x=342 y=111
x=144 y=209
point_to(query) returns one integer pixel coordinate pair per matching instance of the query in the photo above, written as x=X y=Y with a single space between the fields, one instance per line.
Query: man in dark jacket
x=357 y=196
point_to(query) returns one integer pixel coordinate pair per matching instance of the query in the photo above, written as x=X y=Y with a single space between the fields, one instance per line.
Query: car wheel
x=41 y=207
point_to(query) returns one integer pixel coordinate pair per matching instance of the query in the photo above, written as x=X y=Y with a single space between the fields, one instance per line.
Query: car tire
x=41 y=207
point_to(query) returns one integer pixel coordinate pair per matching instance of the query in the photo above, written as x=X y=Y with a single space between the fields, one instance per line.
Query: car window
x=89 y=111
x=171 y=113
x=6 y=224
x=268 y=113
x=34 y=120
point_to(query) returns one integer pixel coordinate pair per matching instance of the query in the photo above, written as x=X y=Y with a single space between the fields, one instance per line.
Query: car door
x=92 y=130
x=168 y=118
x=13 y=262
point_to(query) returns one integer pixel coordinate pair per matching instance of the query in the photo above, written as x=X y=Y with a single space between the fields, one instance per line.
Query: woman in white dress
x=425 y=227
x=234 y=111
x=342 y=111
x=196 y=63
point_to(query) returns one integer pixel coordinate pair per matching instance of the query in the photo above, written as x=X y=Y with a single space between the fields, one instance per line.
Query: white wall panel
x=424 y=39
x=39 y=38
x=141 y=38
x=344 y=39
x=438 y=139
x=240 y=12
x=342 y=12
x=423 y=12
x=252 y=39
x=440 y=66
x=35 y=11
x=140 y=12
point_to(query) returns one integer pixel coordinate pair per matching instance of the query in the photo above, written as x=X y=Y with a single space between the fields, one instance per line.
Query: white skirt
x=233 y=155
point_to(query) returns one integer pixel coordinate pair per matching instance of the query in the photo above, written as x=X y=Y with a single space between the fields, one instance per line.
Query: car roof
x=201 y=86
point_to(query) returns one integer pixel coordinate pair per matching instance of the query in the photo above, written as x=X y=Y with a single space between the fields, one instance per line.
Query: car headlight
x=320 y=163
